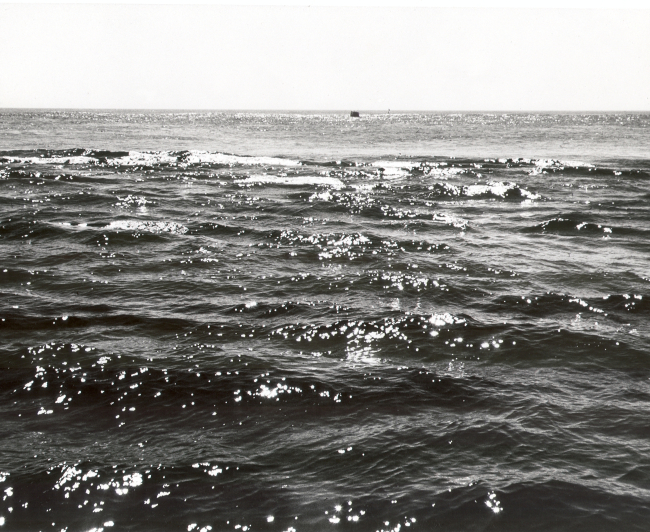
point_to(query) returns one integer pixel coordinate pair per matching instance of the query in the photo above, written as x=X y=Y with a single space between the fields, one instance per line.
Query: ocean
x=294 y=322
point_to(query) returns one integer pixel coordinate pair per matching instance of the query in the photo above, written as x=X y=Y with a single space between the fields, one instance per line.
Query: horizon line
x=359 y=110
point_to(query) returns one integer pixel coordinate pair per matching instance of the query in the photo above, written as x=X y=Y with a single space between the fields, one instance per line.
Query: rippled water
x=292 y=322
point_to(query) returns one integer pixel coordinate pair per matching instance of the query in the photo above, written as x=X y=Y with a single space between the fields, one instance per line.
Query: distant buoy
x=354 y=114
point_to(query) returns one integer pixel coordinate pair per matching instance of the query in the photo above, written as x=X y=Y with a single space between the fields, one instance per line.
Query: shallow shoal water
x=306 y=322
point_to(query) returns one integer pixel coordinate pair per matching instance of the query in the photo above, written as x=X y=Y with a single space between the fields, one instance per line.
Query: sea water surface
x=301 y=322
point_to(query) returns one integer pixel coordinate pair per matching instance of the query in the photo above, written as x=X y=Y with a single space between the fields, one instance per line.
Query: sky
x=481 y=57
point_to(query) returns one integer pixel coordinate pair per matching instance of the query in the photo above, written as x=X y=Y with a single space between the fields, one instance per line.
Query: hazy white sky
x=323 y=57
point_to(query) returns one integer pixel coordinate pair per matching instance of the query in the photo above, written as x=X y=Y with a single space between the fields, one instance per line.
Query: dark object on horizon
x=354 y=114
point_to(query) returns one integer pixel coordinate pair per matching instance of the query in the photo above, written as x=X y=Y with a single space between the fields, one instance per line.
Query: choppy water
x=292 y=322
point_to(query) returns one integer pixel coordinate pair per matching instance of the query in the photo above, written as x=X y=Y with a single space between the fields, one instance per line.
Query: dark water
x=405 y=322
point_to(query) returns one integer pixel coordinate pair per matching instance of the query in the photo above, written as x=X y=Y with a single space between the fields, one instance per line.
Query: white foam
x=137 y=158
x=394 y=169
x=295 y=181
x=147 y=226
x=440 y=320
x=395 y=172
x=443 y=173
x=557 y=163
x=323 y=196
x=409 y=165
x=198 y=157
x=498 y=188
x=450 y=219
x=78 y=159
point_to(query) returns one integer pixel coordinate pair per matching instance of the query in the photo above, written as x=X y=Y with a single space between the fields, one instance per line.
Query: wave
x=154 y=227
x=558 y=163
x=389 y=169
x=138 y=226
x=141 y=158
x=332 y=182
x=496 y=189
x=569 y=225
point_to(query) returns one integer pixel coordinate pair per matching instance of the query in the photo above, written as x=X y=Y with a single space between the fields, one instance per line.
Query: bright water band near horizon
x=303 y=322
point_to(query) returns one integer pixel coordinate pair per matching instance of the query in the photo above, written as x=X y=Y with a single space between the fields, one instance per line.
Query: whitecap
x=443 y=173
x=396 y=164
x=450 y=219
x=294 y=181
x=73 y=159
x=137 y=158
x=394 y=172
x=557 y=163
x=197 y=157
x=147 y=226
x=439 y=320
x=499 y=188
